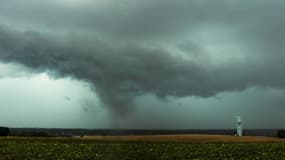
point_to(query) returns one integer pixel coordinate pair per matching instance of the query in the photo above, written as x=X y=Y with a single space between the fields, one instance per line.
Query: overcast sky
x=142 y=63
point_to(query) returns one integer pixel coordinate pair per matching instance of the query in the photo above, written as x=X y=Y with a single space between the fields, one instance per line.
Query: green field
x=82 y=149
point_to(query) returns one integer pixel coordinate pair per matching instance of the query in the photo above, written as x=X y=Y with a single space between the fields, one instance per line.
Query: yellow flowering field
x=82 y=149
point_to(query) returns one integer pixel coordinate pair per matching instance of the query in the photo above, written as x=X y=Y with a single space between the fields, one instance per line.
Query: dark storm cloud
x=130 y=48
x=119 y=74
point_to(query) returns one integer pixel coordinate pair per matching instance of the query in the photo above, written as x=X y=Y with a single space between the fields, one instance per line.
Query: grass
x=89 y=149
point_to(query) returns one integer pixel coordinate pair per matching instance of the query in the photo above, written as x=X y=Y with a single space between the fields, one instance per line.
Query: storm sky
x=142 y=64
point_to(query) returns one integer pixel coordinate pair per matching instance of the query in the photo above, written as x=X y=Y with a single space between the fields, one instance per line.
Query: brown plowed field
x=187 y=138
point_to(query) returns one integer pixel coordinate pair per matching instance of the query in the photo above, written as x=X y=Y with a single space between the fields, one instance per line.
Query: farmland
x=120 y=148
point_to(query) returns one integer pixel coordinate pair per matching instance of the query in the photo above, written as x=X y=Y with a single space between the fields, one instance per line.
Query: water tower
x=239 y=125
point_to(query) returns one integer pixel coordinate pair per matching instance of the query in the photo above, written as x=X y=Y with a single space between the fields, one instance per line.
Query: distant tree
x=281 y=133
x=4 y=131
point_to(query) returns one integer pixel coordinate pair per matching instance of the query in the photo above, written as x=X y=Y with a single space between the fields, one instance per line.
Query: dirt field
x=188 y=138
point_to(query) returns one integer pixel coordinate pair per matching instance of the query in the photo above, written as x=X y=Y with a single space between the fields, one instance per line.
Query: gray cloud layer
x=162 y=47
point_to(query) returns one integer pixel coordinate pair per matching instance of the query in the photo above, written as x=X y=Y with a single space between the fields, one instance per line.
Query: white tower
x=239 y=125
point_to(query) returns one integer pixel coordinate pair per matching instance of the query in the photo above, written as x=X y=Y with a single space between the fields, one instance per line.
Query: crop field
x=114 y=149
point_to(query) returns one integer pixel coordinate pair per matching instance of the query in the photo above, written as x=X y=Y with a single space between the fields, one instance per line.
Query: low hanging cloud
x=166 y=48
